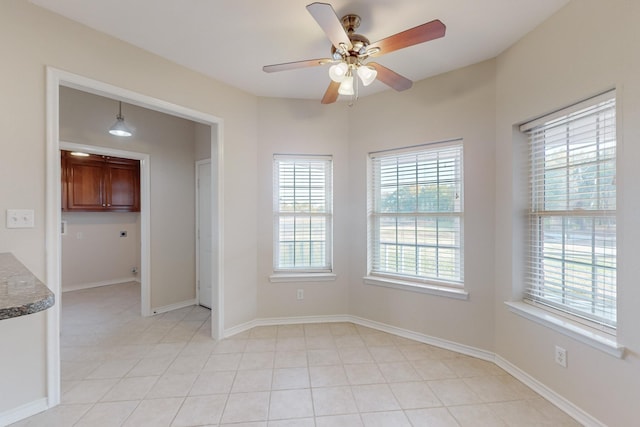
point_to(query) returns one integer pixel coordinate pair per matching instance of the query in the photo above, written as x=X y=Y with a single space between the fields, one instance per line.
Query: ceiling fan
x=350 y=51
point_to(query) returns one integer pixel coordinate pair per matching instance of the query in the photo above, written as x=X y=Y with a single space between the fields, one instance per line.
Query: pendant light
x=120 y=128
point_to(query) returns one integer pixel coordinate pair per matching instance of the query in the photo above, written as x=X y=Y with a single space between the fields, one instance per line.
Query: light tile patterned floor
x=119 y=369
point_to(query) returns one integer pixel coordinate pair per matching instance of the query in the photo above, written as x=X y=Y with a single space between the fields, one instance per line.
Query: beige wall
x=33 y=39
x=170 y=143
x=22 y=361
x=586 y=48
x=455 y=105
x=94 y=253
x=302 y=127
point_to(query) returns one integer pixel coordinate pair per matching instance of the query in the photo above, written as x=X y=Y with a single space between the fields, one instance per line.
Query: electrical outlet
x=561 y=356
x=300 y=294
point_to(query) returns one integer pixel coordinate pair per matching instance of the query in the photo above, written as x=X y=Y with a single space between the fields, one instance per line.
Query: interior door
x=204 y=235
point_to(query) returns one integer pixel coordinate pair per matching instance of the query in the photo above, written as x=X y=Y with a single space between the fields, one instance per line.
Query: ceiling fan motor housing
x=358 y=41
x=350 y=23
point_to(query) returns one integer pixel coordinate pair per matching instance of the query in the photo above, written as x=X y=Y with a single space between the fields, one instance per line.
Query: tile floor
x=119 y=369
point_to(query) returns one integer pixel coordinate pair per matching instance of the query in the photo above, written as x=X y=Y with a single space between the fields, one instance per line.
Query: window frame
x=418 y=283
x=537 y=212
x=306 y=272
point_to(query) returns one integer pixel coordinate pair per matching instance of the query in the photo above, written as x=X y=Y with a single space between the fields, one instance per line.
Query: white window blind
x=415 y=218
x=571 y=263
x=302 y=204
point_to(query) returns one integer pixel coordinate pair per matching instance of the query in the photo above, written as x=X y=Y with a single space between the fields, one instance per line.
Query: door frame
x=54 y=79
x=210 y=303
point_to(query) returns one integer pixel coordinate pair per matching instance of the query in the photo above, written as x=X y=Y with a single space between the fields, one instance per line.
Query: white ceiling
x=230 y=40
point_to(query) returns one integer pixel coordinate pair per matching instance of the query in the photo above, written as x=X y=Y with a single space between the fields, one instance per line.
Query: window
x=571 y=263
x=415 y=218
x=302 y=205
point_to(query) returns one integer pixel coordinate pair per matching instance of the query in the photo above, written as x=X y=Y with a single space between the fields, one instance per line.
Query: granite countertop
x=21 y=293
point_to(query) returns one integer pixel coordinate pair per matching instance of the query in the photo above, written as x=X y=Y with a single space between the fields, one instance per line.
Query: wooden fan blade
x=420 y=34
x=326 y=17
x=391 y=78
x=294 y=65
x=331 y=95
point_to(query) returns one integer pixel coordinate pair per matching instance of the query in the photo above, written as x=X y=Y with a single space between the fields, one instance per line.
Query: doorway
x=56 y=79
x=103 y=248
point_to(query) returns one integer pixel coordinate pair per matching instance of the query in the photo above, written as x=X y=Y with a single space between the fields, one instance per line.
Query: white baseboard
x=276 y=321
x=559 y=401
x=563 y=404
x=81 y=286
x=449 y=345
x=426 y=339
x=175 y=306
x=24 y=411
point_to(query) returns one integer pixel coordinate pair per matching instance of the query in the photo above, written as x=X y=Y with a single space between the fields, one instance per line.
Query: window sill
x=302 y=277
x=422 y=288
x=584 y=334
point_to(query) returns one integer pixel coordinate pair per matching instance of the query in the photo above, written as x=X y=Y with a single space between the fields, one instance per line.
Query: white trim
x=54 y=79
x=556 y=399
x=53 y=241
x=591 y=337
x=82 y=286
x=405 y=333
x=145 y=212
x=197 y=230
x=217 y=183
x=302 y=277
x=277 y=321
x=423 y=288
x=174 y=306
x=425 y=339
x=238 y=329
x=107 y=151
x=23 y=411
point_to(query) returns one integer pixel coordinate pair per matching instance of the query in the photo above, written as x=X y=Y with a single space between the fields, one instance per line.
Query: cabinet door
x=85 y=185
x=123 y=181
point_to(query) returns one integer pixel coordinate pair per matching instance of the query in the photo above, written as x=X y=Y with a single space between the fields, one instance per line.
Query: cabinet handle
x=108 y=204
x=103 y=204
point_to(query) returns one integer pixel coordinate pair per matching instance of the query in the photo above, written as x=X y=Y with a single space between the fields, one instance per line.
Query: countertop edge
x=29 y=308
x=21 y=293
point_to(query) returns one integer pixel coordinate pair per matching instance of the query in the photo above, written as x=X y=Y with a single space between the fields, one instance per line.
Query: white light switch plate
x=20 y=218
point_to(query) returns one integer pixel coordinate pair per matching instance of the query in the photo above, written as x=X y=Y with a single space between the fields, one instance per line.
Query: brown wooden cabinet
x=100 y=184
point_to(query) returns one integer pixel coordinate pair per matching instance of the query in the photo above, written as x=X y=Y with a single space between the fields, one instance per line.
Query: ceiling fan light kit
x=367 y=74
x=338 y=72
x=350 y=51
x=346 y=86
